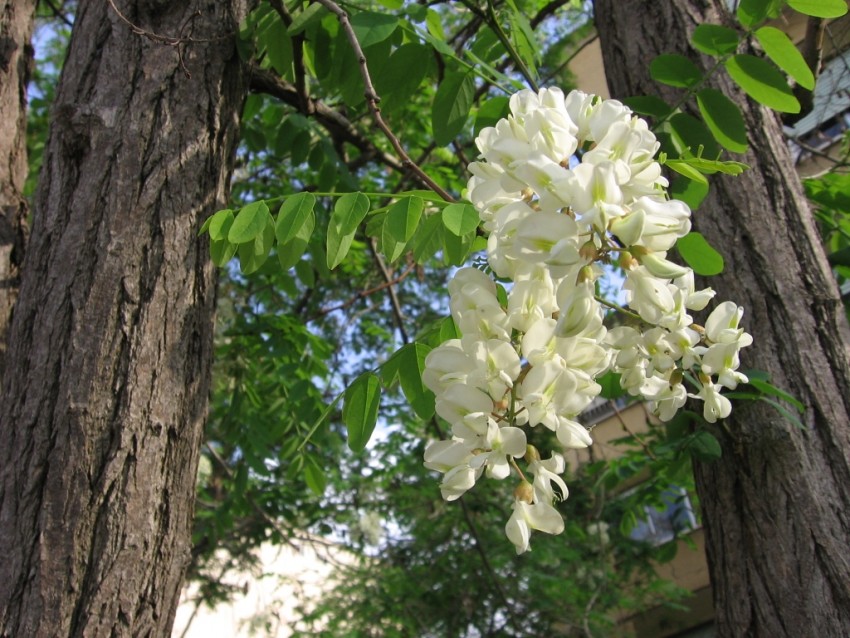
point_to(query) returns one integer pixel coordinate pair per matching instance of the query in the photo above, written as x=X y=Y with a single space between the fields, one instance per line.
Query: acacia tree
x=775 y=505
x=16 y=24
x=110 y=346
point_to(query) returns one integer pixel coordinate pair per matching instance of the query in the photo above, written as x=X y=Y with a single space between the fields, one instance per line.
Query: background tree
x=16 y=24
x=775 y=505
x=108 y=368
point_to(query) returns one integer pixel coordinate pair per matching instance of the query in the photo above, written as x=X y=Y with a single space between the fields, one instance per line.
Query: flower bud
x=662 y=268
x=524 y=492
x=589 y=251
x=531 y=454
x=627 y=261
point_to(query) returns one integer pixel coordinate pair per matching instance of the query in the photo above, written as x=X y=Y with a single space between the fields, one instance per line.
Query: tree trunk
x=776 y=507
x=108 y=366
x=16 y=23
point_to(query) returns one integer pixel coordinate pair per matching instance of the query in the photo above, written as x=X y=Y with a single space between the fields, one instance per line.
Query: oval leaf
x=460 y=219
x=403 y=218
x=293 y=215
x=723 y=119
x=349 y=211
x=674 y=70
x=360 y=410
x=451 y=106
x=786 y=56
x=219 y=224
x=699 y=255
x=371 y=28
x=412 y=365
x=763 y=82
x=249 y=223
x=752 y=12
x=820 y=8
x=714 y=39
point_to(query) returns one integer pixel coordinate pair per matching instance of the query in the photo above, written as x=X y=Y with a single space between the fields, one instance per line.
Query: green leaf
x=360 y=410
x=611 y=388
x=490 y=112
x=402 y=74
x=250 y=222
x=785 y=412
x=294 y=213
x=412 y=364
x=704 y=446
x=684 y=168
x=219 y=224
x=723 y=119
x=820 y=8
x=222 y=251
x=429 y=238
x=314 y=476
x=699 y=254
x=727 y=167
x=313 y=13
x=763 y=82
x=349 y=211
x=295 y=229
x=278 y=47
x=753 y=12
x=448 y=330
x=371 y=28
x=674 y=70
x=451 y=106
x=690 y=135
x=785 y=55
x=461 y=218
x=689 y=191
x=390 y=246
x=768 y=388
x=456 y=248
x=715 y=40
x=338 y=246
x=650 y=105
x=839 y=257
x=403 y=218
x=254 y=254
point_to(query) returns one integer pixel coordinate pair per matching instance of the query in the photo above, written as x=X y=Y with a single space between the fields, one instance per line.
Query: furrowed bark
x=108 y=368
x=16 y=55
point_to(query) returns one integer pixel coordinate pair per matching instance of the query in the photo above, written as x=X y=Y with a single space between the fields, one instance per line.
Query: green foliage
x=699 y=254
x=360 y=409
x=762 y=82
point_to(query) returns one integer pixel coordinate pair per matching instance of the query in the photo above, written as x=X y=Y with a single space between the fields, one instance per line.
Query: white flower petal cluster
x=566 y=183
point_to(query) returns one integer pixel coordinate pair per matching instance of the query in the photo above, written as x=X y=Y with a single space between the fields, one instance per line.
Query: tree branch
x=372 y=99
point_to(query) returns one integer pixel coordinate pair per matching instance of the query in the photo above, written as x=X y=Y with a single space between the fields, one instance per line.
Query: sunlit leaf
x=785 y=55
x=700 y=255
x=714 y=39
x=763 y=82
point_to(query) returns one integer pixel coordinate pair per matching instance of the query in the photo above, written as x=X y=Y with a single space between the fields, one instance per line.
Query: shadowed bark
x=776 y=506
x=16 y=24
x=108 y=367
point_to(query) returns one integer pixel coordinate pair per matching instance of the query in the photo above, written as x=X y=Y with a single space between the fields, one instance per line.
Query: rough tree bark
x=776 y=507
x=108 y=366
x=16 y=24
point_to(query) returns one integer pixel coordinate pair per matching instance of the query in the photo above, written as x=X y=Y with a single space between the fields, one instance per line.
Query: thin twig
x=398 y=315
x=372 y=99
x=363 y=294
x=622 y=421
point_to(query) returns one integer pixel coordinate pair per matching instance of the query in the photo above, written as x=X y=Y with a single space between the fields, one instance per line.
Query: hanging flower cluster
x=568 y=183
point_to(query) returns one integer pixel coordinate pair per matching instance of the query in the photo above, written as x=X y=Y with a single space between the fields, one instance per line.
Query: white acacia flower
x=716 y=405
x=526 y=517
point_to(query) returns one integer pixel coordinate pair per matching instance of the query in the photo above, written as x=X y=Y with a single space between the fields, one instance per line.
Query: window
x=661 y=526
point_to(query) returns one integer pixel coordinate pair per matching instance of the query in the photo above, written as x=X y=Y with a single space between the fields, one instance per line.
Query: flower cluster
x=568 y=183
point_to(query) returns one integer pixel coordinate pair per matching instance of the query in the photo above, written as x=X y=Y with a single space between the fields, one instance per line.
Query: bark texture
x=108 y=367
x=16 y=24
x=776 y=507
